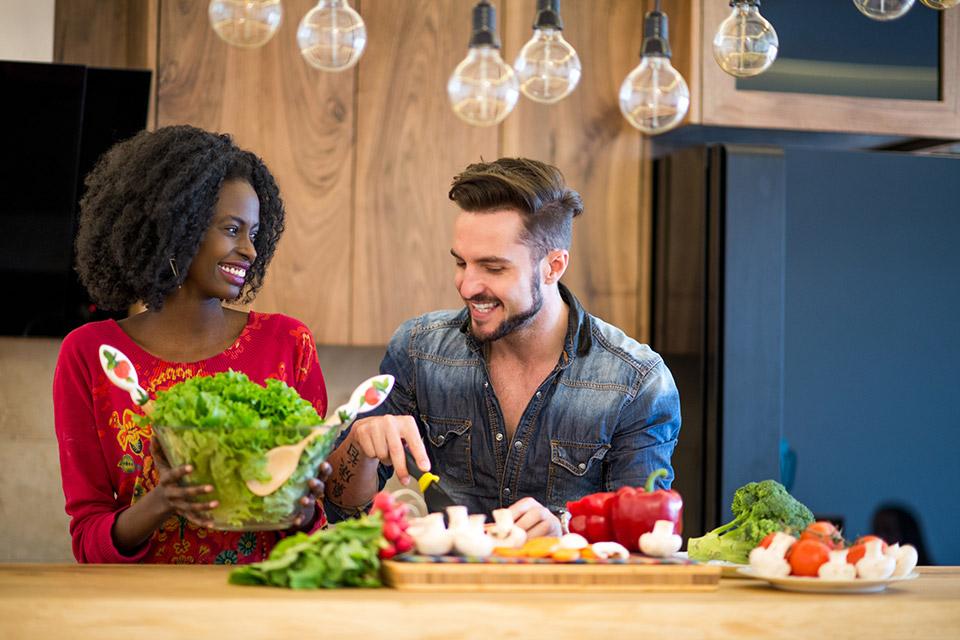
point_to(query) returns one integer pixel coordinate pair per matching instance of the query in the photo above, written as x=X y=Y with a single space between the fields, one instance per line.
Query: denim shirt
x=605 y=417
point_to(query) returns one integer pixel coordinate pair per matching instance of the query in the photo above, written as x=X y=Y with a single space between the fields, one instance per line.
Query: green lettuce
x=343 y=555
x=223 y=425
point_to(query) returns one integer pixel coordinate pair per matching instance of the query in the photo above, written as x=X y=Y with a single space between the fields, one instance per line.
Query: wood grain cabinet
x=835 y=31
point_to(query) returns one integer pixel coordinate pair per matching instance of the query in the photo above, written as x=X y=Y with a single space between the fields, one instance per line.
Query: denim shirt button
x=441 y=438
x=582 y=466
x=518 y=444
x=506 y=491
x=499 y=437
x=486 y=384
x=539 y=394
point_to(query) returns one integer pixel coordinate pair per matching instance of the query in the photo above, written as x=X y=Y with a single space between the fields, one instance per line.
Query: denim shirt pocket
x=575 y=471
x=450 y=440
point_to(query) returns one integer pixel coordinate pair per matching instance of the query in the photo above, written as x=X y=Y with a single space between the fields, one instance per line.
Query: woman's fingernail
x=188 y=468
x=208 y=488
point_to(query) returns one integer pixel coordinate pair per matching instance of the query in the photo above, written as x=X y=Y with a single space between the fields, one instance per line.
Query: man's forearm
x=354 y=479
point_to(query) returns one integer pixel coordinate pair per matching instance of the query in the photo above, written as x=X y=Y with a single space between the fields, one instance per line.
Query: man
x=521 y=399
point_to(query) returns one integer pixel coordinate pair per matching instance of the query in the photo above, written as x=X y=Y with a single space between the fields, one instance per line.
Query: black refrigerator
x=808 y=304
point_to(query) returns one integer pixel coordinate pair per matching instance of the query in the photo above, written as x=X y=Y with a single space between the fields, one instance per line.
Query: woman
x=181 y=220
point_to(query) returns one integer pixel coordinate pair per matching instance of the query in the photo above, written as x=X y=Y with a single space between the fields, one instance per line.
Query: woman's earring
x=173 y=267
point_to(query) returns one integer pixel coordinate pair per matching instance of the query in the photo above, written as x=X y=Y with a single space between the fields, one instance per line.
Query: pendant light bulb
x=941 y=5
x=548 y=68
x=245 y=23
x=483 y=89
x=332 y=36
x=654 y=98
x=883 y=9
x=745 y=44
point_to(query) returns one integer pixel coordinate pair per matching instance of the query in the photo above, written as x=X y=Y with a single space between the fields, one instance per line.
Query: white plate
x=819 y=585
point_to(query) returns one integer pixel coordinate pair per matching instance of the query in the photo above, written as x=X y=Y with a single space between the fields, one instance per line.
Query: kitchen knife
x=433 y=494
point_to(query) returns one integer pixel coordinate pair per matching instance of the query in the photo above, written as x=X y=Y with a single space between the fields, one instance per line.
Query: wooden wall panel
x=91 y=32
x=301 y=121
x=365 y=158
x=600 y=154
x=409 y=147
x=686 y=35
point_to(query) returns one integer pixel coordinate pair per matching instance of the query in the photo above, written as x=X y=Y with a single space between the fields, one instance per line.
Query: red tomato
x=824 y=532
x=122 y=369
x=371 y=396
x=806 y=556
x=859 y=548
x=765 y=543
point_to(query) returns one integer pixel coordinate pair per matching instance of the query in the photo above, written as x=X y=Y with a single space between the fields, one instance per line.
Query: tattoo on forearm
x=353 y=455
x=346 y=470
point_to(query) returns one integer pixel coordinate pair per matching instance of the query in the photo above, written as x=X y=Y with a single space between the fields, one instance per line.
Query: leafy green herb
x=223 y=425
x=343 y=555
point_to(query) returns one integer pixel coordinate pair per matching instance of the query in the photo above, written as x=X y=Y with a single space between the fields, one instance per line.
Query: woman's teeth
x=234 y=271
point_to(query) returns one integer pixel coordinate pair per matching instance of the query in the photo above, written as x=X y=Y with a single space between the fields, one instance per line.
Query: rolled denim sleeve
x=646 y=434
x=401 y=401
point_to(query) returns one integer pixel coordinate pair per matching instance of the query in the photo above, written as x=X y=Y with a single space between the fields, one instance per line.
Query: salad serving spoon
x=121 y=372
x=282 y=461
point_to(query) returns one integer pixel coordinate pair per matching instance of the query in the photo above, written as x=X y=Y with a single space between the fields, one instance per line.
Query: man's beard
x=514 y=322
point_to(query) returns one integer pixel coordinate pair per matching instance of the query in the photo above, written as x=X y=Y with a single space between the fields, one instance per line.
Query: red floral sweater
x=105 y=459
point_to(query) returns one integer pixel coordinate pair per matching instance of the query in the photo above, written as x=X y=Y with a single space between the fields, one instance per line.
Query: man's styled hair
x=537 y=191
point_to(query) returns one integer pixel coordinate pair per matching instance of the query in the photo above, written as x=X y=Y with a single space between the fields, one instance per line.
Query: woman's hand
x=308 y=503
x=176 y=499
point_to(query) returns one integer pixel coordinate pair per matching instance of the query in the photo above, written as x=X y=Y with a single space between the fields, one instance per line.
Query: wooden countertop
x=144 y=601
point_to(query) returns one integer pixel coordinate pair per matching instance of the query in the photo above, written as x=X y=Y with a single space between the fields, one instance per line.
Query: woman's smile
x=234 y=272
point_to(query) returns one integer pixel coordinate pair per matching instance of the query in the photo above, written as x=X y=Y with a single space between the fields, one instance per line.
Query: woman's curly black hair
x=150 y=199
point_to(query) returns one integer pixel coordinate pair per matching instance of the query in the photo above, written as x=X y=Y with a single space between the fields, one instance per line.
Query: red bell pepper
x=591 y=517
x=633 y=512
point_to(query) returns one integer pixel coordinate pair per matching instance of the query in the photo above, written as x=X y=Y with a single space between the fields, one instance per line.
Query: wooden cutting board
x=639 y=574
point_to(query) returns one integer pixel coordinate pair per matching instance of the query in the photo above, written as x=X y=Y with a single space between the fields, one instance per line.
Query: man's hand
x=383 y=438
x=535 y=519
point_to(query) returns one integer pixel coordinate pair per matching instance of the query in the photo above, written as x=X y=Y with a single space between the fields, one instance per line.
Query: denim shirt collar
x=579 y=328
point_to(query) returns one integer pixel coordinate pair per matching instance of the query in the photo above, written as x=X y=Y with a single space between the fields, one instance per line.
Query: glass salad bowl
x=228 y=457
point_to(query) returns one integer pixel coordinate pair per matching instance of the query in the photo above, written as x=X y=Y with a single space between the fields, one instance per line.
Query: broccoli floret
x=759 y=508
